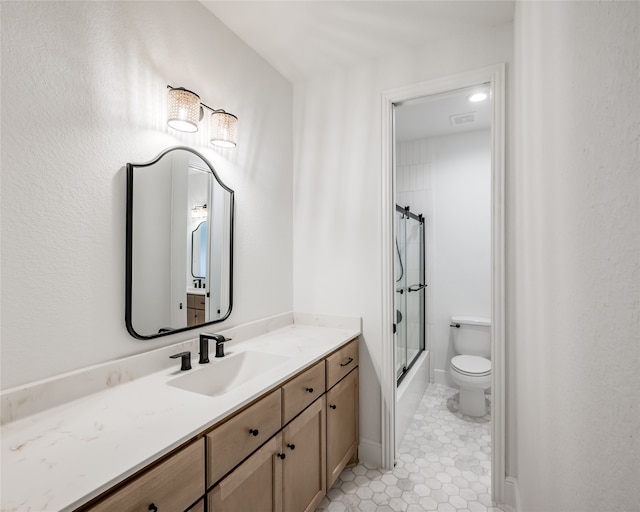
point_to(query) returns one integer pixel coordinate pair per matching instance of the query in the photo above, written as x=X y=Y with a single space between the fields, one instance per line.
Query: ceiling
x=302 y=39
x=430 y=116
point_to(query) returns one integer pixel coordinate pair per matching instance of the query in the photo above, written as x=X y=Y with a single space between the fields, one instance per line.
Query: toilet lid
x=471 y=365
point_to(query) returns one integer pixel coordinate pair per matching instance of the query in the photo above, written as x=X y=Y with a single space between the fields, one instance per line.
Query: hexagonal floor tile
x=443 y=465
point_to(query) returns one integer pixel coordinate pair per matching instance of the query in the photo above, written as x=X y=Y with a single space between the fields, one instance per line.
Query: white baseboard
x=442 y=377
x=370 y=452
x=512 y=494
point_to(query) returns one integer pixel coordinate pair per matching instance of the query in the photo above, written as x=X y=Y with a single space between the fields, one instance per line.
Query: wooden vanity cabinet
x=195 y=309
x=342 y=425
x=198 y=507
x=174 y=484
x=279 y=454
x=287 y=474
x=256 y=485
x=292 y=472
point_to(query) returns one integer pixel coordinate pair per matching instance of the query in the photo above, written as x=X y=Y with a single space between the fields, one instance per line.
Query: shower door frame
x=502 y=488
x=422 y=342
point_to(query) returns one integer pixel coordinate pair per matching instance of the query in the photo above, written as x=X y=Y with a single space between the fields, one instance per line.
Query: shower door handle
x=416 y=287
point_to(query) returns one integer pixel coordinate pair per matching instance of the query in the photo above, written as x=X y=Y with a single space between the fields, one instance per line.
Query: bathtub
x=409 y=394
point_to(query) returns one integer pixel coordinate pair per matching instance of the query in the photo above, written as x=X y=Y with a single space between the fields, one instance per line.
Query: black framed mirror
x=179 y=248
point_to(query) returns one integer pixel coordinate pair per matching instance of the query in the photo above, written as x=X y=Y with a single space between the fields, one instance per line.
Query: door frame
x=495 y=76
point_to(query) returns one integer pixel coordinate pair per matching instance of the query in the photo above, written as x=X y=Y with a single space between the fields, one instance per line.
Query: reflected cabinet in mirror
x=179 y=245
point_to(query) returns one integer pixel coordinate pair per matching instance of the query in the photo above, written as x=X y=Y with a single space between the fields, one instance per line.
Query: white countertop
x=61 y=457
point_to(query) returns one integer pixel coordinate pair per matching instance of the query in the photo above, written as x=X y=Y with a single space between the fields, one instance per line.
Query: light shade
x=224 y=129
x=184 y=110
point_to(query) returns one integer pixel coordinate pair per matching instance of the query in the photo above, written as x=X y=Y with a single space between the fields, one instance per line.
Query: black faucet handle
x=220 y=346
x=204 y=345
x=204 y=349
x=185 y=360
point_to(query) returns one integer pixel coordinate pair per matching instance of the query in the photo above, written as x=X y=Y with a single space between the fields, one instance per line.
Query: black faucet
x=185 y=360
x=204 y=346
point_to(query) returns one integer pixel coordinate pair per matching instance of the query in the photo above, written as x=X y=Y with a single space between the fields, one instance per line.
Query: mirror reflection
x=179 y=245
x=199 y=251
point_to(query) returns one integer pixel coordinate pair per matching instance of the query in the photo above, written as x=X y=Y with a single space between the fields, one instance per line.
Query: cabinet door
x=191 y=317
x=304 y=468
x=198 y=507
x=342 y=425
x=256 y=485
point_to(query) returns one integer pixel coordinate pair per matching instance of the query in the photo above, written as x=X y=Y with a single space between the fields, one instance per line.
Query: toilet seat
x=471 y=366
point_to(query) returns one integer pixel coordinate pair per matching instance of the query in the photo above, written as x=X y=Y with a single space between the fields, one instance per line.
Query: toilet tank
x=473 y=337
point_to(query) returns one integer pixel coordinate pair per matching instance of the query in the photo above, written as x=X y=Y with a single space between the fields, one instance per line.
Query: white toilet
x=471 y=369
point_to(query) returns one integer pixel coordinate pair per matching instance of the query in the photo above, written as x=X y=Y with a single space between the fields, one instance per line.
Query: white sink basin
x=225 y=374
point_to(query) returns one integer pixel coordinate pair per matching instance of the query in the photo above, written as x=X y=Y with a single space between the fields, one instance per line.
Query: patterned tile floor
x=444 y=464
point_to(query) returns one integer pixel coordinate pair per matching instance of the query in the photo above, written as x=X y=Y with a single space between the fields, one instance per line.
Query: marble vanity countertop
x=60 y=457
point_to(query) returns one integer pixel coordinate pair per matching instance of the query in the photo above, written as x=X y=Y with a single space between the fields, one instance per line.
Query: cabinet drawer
x=191 y=300
x=174 y=484
x=341 y=362
x=302 y=391
x=234 y=440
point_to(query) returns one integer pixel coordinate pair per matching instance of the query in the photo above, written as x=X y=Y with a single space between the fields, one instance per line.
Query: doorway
x=493 y=79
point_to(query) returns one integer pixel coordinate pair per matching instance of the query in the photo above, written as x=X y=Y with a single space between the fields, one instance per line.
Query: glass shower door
x=409 y=289
x=415 y=289
x=400 y=295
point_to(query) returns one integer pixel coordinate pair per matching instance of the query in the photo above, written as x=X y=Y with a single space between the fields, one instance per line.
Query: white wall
x=448 y=179
x=577 y=264
x=337 y=190
x=83 y=93
x=461 y=267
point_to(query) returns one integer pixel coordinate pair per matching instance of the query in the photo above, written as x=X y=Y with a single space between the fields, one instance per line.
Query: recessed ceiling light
x=478 y=96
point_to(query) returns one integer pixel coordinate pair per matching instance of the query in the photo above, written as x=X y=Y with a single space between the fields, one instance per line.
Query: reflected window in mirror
x=179 y=245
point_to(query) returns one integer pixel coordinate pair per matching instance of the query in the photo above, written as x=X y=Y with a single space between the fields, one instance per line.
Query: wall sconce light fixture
x=223 y=129
x=186 y=111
